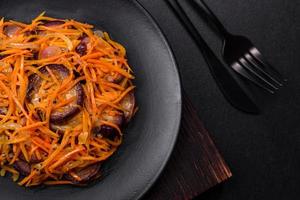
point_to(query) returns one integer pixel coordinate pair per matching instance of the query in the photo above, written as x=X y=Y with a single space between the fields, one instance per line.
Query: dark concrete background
x=263 y=151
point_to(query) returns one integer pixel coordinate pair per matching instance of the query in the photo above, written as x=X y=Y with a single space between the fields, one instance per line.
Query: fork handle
x=207 y=14
x=231 y=90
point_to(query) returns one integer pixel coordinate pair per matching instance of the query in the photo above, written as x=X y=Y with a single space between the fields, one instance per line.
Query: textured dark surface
x=195 y=164
x=262 y=151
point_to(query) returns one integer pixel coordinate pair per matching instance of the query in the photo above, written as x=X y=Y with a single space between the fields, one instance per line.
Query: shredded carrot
x=65 y=158
x=16 y=154
x=40 y=143
x=10 y=169
x=18 y=23
x=63 y=103
x=110 y=67
x=75 y=176
x=27 y=178
x=52 y=75
x=89 y=80
x=92 y=55
x=58 y=183
x=24 y=151
x=38 y=155
x=31 y=126
x=32 y=150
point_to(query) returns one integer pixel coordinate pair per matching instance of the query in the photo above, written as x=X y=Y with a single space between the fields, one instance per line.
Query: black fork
x=241 y=55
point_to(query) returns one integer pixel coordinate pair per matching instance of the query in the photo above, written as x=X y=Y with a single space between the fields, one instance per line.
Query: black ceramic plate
x=150 y=137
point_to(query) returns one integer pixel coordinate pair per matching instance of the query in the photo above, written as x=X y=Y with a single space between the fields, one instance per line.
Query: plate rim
x=177 y=128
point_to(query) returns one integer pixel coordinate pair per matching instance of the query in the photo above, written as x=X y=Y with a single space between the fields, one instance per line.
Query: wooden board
x=195 y=165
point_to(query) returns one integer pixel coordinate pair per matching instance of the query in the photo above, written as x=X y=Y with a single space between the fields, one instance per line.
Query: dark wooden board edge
x=195 y=164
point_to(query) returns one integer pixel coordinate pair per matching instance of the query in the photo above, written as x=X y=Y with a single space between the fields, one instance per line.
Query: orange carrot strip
x=112 y=67
x=24 y=151
x=64 y=103
x=42 y=144
x=31 y=126
x=58 y=150
x=26 y=179
x=65 y=158
x=52 y=75
x=16 y=155
x=11 y=170
x=41 y=61
x=92 y=55
x=58 y=183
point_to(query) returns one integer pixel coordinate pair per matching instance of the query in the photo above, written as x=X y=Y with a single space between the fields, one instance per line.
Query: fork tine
x=259 y=67
x=259 y=57
x=243 y=72
x=248 y=66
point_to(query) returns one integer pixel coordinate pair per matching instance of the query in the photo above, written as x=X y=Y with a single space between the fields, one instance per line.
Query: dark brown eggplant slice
x=115 y=117
x=34 y=32
x=81 y=48
x=114 y=77
x=86 y=174
x=66 y=112
x=50 y=51
x=106 y=131
x=11 y=30
x=34 y=81
x=70 y=123
x=33 y=158
x=112 y=116
x=3 y=110
x=22 y=167
x=99 y=33
x=3 y=56
x=128 y=104
x=52 y=23
x=60 y=115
